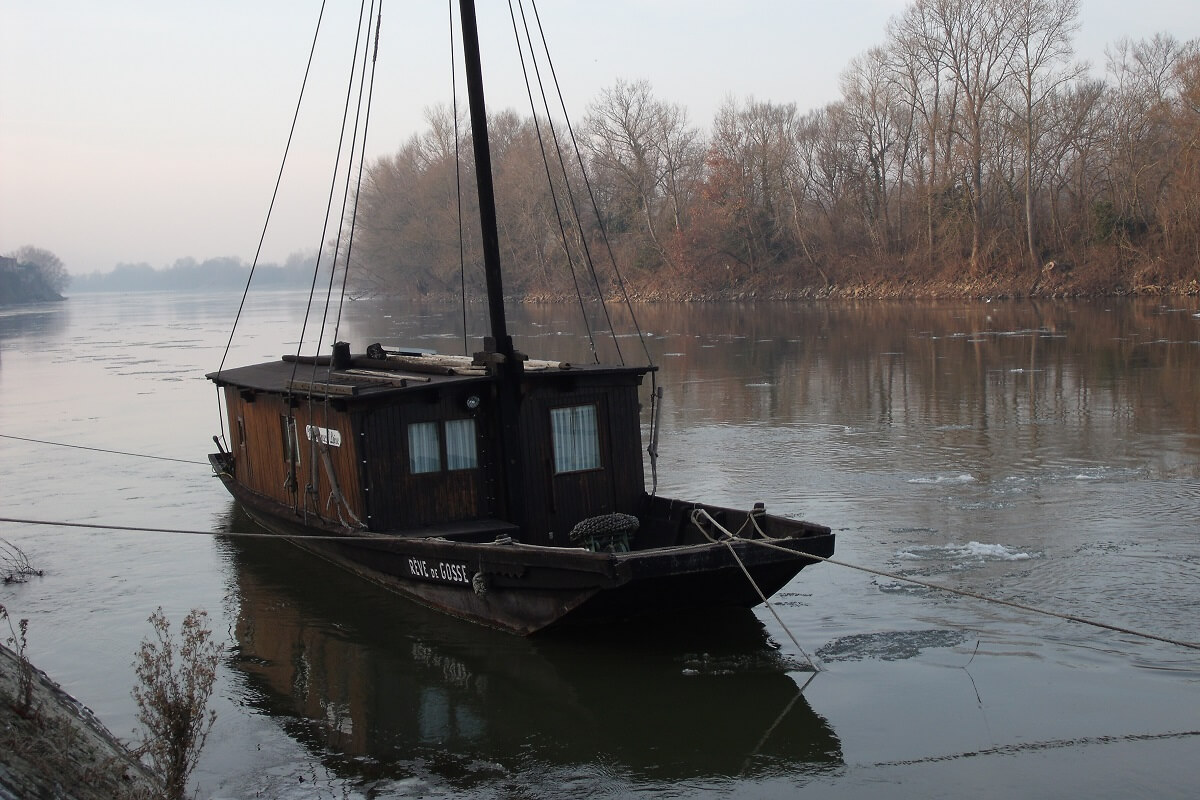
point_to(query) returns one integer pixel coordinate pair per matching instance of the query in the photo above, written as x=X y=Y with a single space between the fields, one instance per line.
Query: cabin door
x=581 y=468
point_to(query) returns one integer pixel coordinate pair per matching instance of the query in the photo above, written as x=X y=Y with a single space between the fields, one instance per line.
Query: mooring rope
x=696 y=513
x=358 y=539
x=765 y=542
x=102 y=450
x=727 y=541
x=729 y=545
x=1050 y=744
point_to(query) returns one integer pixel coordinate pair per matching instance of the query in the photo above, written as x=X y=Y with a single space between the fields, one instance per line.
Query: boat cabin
x=402 y=441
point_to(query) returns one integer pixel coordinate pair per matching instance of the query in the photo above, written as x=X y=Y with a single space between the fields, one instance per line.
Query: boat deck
x=366 y=376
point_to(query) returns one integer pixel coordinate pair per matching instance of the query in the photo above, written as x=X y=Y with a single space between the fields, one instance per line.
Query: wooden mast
x=505 y=363
x=483 y=177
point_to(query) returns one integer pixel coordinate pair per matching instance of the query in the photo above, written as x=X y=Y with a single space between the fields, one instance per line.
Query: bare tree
x=870 y=100
x=643 y=146
x=1043 y=40
x=979 y=37
x=918 y=53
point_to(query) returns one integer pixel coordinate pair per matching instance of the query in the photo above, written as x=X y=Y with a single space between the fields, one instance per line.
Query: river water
x=1043 y=453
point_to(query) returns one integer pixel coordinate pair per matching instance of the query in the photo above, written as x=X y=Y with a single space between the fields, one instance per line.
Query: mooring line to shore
x=812 y=664
x=995 y=600
x=195 y=532
x=1051 y=744
x=763 y=542
x=102 y=450
x=766 y=542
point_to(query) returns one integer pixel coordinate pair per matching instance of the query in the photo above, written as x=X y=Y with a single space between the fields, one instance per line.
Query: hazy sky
x=133 y=130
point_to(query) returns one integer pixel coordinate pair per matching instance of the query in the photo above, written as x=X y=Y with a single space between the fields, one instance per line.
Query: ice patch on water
x=943 y=479
x=1104 y=473
x=971 y=551
x=994 y=552
x=888 y=646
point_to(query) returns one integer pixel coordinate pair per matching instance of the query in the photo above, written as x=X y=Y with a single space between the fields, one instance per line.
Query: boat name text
x=439 y=571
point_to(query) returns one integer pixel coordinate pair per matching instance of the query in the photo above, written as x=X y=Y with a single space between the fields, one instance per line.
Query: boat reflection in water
x=388 y=690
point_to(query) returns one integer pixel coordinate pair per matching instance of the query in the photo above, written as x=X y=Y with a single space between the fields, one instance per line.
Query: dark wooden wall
x=372 y=463
x=555 y=503
x=398 y=499
x=261 y=463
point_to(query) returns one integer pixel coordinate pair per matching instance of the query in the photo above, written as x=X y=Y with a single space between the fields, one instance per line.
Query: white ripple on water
x=944 y=479
x=967 y=554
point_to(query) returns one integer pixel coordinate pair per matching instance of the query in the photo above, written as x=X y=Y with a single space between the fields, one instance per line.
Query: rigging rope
x=566 y=182
x=458 y=199
x=270 y=209
x=583 y=243
x=591 y=193
x=333 y=184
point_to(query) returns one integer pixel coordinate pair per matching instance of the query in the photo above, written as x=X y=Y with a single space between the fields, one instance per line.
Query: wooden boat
x=363 y=685
x=498 y=489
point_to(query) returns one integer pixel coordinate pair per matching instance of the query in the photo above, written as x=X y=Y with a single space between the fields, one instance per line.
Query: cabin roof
x=371 y=377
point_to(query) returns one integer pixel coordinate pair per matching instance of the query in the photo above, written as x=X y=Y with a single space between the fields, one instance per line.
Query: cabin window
x=576 y=441
x=460 y=444
x=425 y=441
x=291 y=445
x=424 y=452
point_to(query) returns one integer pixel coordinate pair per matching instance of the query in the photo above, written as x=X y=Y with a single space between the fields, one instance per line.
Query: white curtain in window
x=460 y=444
x=423 y=453
x=576 y=444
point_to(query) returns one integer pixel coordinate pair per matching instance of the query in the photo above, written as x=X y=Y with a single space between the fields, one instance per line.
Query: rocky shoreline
x=59 y=749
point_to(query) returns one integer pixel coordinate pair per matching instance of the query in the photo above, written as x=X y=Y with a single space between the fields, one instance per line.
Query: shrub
x=175 y=681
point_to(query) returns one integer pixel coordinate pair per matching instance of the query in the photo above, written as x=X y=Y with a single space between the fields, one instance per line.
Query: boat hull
x=525 y=589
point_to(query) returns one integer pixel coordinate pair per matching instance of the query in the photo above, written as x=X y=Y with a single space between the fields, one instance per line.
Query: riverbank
x=1056 y=283
x=60 y=749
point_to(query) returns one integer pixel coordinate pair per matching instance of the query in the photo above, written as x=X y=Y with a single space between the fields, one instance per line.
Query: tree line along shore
x=970 y=155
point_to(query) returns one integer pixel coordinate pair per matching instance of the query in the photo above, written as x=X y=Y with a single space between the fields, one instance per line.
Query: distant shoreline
x=1049 y=285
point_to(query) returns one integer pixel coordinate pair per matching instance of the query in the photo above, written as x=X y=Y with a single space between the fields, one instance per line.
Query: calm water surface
x=1044 y=453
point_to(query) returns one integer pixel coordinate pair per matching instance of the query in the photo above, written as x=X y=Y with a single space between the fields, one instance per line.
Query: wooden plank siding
x=397 y=498
x=258 y=447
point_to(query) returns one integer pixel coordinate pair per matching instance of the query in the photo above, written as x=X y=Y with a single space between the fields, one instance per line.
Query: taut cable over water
x=698 y=515
x=700 y=518
x=701 y=514
x=102 y=450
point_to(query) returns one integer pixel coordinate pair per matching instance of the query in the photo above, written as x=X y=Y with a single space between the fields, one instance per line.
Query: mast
x=483 y=177
x=503 y=361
